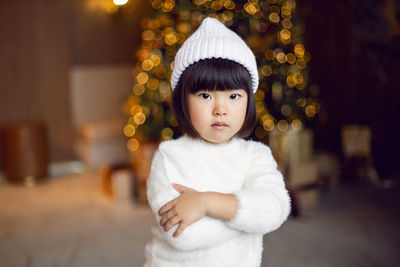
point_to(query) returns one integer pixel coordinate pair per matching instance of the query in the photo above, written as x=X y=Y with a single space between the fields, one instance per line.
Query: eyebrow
x=239 y=89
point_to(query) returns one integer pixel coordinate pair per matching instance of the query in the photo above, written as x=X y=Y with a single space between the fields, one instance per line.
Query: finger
x=166 y=217
x=179 y=188
x=180 y=229
x=166 y=207
x=171 y=222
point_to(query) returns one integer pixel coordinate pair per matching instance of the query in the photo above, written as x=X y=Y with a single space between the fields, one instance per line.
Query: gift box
x=119 y=183
x=304 y=184
x=291 y=147
x=328 y=169
x=302 y=173
x=102 y=143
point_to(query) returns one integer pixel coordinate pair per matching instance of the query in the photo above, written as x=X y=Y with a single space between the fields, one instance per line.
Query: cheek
x=241 y=112
x=196 y=114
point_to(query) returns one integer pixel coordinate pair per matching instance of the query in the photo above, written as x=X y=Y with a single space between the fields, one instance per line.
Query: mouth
x=219 y=125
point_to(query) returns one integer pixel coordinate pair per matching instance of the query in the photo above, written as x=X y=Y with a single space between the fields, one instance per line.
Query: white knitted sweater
x=244 y=168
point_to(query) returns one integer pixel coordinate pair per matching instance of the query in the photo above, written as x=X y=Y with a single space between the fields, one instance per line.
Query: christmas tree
x=285 y=100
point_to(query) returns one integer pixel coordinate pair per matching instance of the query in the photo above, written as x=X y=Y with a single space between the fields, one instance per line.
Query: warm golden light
x=153 y=84
x=260 y=107
x=259 y=95
x=274 y=9
x=216 y=5
x=276 y=90
x=268 y=125
x=283 y=125
x=164 y=6
x=96 y=6
x=299 y=78
x=301 y=86
x=301 y=63
x=285 y=34
x=317 y=107
x=286 y=14
x=171 y=38
x=142 y=77
x=301 y=101
x=142 y=54
x=165 y=87
x=139 y=118
x=299 y=50
x=133 y=144
x=167 y=133
x=291 y=81
x=228 y=4
x=148 y=35
x=274 y=17
x=129 y=130
x=138 y=89
x=297 y=125
x=251 y=8
x=269 y=54
x=135 y=109
x=266 y=70
x=291 y=58
x=310 y=111
x=281 y=57
x=287 y=24
x=147 y=64
x=168 y=5
x=183 y=27
x=120 y=2
x=228 y=14
x=155 y=59
x=199 y=2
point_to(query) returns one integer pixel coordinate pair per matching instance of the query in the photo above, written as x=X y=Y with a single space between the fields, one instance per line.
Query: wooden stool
x=24 y=152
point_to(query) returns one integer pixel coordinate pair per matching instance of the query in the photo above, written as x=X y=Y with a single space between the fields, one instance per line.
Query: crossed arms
x=261 y=206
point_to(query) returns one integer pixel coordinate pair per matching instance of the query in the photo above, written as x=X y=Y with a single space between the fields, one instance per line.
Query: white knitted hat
x=213 y=40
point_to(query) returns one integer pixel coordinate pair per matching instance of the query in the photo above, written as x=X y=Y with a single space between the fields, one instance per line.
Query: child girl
x=214 y=194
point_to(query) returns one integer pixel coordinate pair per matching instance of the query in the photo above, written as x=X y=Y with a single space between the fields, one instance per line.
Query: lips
x=219 y=125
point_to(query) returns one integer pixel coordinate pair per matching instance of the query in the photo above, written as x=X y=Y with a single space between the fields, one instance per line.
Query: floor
x=68 y=221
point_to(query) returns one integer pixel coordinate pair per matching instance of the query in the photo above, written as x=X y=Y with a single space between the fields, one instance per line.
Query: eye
x=205 y=96
x=234 y=96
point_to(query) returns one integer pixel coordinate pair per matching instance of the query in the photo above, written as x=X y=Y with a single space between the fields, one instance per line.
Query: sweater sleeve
x=204 y=233
x=263 y=201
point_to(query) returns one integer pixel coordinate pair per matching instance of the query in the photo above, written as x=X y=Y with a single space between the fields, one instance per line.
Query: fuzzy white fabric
x=213 y=40
x=244 y=168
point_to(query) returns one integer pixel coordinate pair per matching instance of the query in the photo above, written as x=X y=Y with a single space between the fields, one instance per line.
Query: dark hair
x=212 y=74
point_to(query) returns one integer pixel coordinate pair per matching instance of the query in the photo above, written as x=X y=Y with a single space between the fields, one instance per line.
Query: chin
x=217 y=140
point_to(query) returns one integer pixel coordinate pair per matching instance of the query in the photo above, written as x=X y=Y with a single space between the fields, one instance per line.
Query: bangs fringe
x=217 y=74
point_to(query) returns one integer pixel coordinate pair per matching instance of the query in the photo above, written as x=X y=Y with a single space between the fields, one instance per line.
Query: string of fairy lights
x=285 y=99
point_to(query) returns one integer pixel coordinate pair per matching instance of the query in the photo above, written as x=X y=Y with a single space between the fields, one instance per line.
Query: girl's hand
x=186 y=209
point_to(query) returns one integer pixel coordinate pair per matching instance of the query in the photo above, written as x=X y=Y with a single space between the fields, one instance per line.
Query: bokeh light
x=133 y=144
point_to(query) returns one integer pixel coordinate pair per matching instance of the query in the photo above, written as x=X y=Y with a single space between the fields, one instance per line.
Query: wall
x=43 y=42
x=34 y=69
x=98 y=92
x=355 y=48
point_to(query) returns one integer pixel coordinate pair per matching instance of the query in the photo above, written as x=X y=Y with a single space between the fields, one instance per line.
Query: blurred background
x=84 y=102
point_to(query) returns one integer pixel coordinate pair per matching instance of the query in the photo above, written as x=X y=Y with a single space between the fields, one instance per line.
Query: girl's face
x=217 y=115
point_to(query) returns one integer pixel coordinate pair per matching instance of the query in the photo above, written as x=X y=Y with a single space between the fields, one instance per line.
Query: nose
x=219 y=110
